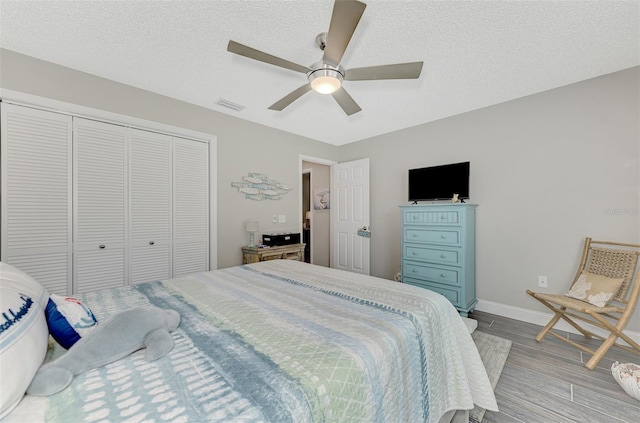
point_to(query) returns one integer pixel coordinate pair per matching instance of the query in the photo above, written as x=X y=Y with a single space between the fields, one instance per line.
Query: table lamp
x=252 y=228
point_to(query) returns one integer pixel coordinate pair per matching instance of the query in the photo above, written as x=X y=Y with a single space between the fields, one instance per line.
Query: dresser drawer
x=450 y=293
x=432 y=236
x=433 y=255
x=431 y=217
x=435 y=274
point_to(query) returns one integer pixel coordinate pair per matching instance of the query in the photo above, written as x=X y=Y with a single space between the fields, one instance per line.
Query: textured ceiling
x=476 y=53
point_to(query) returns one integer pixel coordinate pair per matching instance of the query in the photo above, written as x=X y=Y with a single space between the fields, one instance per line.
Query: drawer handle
x=414 y=235
x=151 y=242
x=415 y=253
x=443 y=217
x=443 y=236
x=102 y=246
x=442 y=275
x=443 y=256
x=414 y=271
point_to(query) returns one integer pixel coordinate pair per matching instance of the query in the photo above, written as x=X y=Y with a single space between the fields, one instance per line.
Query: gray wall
x=546 y=170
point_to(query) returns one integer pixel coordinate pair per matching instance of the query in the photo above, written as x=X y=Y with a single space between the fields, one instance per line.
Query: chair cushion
x=578 y=305
x=595 y=289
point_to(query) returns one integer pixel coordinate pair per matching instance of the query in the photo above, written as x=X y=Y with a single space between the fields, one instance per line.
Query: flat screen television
x=439 y=182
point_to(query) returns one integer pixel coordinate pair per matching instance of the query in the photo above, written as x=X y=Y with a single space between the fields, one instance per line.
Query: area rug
x=493 y=352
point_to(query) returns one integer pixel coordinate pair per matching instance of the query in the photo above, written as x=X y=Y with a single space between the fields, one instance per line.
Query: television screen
x=439 y=182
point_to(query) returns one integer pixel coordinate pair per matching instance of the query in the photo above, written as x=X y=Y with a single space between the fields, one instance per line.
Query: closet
x=36 y=194
x=90 y=205
x=150 y=182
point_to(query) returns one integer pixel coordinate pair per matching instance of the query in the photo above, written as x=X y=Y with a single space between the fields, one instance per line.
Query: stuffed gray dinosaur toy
x=116 y=338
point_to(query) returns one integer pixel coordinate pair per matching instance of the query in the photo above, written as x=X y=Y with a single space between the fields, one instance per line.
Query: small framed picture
x=321 y=199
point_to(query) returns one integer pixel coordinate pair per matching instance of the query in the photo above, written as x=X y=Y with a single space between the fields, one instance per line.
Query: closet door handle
x=102 y=246
x=151 y=242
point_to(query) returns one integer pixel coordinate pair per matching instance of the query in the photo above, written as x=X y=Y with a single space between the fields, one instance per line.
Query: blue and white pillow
x=68 y=320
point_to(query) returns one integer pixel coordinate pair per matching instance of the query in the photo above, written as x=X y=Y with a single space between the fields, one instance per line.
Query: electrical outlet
x=282 y=218
x=542 y=281
x=275 y=218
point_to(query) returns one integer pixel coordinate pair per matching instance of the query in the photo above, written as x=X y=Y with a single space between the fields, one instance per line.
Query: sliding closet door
x=191 y=207
x=100 y=187
x=36 y=194
x=150 y=199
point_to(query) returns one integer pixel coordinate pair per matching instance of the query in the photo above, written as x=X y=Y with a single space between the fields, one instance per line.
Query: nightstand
x=289 y=252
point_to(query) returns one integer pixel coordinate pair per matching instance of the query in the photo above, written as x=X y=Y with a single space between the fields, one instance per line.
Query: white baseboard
x=540 y=318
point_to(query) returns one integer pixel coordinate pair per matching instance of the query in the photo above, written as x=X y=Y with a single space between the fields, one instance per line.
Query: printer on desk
x=274 y=240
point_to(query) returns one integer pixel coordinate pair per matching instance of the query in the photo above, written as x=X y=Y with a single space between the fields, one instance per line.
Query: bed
x=281 y=341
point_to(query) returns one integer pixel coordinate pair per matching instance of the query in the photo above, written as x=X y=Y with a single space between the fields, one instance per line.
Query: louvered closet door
x=100 y=187
x=36 y=194
x=150 y=179
x=191 y=207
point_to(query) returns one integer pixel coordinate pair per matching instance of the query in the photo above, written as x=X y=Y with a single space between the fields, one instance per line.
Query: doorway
x=318 y=223
x=306 y=213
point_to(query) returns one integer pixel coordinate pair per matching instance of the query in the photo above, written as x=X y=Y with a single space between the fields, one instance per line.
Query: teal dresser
x=439 y=251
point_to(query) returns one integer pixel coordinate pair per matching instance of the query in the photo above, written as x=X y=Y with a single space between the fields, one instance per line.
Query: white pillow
x=23 y=334
x=595 y=289
x=628 y=377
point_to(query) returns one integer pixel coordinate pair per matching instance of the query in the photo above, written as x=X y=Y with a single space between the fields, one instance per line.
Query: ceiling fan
x=326 y=76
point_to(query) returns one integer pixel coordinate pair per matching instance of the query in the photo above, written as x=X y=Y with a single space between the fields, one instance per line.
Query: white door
x=150 y=203
x=190 y=206
x=100 y=197
x=36 y=195
x=350 y=212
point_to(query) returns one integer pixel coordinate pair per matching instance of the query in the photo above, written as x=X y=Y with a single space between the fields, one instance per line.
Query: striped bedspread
x=284 y=341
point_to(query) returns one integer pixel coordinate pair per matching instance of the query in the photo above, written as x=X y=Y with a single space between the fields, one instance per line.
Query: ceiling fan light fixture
x=326 y=75
x=325 y=81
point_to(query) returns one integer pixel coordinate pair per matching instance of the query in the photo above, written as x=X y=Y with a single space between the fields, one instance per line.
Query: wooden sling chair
x=612 y=260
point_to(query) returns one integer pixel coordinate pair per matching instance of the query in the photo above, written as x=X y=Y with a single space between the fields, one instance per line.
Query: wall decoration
x=257 y=186
x=321 y=199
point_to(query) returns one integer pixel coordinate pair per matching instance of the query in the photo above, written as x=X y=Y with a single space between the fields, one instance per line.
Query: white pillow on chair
x=23 y=334
x=595 y=289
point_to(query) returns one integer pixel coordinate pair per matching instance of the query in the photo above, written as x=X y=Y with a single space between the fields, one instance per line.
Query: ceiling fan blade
x=290 y=98
x=345 y=101
x=344 y=20
x=398 y=71
x=261 y=56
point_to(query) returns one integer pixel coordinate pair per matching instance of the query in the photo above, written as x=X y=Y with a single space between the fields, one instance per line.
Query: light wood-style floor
x=547 y=382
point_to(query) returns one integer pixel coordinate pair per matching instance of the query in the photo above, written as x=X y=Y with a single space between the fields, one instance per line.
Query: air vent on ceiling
x=229 y=105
